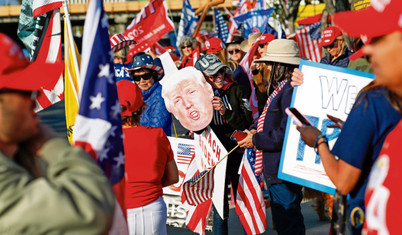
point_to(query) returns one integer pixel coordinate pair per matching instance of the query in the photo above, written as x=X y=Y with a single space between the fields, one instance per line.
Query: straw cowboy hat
x=283 y=51
x=246 y=44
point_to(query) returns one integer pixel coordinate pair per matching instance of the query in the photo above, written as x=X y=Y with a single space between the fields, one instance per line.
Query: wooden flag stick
x=233 y=149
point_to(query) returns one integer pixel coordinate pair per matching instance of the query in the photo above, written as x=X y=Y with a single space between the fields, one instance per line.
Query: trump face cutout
x=188 y=97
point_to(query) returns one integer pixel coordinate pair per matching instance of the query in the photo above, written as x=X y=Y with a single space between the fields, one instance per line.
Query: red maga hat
x=265 y=38
x=17 y=73
x=329 y=35
x=381 y=18
x=130 y=96
x=213 y=45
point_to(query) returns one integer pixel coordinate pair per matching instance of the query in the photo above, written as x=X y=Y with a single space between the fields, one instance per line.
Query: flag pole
x=233 y=149
x=73 y=49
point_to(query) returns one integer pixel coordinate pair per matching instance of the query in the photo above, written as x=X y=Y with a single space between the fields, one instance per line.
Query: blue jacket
x=271 y=138
x=341 y=61
x=156 y=114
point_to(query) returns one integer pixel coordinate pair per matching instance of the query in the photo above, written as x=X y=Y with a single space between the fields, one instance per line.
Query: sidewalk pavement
x=313 y=225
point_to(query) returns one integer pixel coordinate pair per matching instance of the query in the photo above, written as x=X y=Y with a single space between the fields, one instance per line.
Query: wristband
x=316 y=144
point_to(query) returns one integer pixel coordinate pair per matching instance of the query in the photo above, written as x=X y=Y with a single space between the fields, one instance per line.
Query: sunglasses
x=187 y=46
x=262 y=45
x=29 y=94
x=234 y=51
x=332 y=45
x=145 y=76
x=212 y=76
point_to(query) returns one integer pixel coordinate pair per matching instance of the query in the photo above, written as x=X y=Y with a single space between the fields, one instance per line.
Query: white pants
x=148 y=219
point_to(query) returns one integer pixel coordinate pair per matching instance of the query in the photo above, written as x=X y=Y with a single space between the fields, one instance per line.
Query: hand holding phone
x=238 y=135
x=299 y=118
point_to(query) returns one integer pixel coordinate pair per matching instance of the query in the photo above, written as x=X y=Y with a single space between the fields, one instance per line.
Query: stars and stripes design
x=308 y=41
x=197 y=216
x=98 y=123
x=221 y=29
x=188 y=21
x=119 y=41
x=202 y=190
x=185 y=153
x=250 y=205
x=260 y=124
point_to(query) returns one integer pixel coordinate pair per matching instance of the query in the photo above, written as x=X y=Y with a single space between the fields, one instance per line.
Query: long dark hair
x=280 y=72
x=134 y=119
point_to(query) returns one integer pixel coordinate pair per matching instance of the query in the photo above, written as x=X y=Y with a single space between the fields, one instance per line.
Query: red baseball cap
x=17 y=73
x=329 y=35
x=265 y=38
x=130 y=96
x=381 y=18
x=213 y=45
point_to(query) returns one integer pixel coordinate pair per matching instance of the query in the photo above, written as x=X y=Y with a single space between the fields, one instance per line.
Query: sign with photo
x=326 y=90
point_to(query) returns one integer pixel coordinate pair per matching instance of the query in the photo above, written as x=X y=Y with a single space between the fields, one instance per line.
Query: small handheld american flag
x=202 y=190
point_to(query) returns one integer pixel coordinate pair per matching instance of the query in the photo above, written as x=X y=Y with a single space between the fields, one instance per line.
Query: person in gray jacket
x=46 y=186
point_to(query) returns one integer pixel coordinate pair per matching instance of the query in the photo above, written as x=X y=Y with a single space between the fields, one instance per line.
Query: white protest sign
x=182 y=149
x=208 y=151
x=326 y=90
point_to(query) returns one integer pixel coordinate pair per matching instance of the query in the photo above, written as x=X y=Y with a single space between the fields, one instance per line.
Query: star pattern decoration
x=96 y=101
x=104 y=156
x=116 y=110
x=104 y=21
x=113 y=131
x=104 y=70
x=119 y=159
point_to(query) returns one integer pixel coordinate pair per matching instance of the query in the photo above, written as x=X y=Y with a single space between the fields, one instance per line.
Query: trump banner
x=326 y=90
x=149 y=26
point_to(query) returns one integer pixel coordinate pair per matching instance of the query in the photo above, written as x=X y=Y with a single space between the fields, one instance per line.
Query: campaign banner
x=183 y=150
x=121 y=73
x=149 y=26
x=254 y=21
x=208 y=151
x=326 y=90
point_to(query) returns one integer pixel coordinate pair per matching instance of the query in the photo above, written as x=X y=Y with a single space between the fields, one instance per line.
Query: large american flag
x=308 y=41
x=250 y=205
x=98 y=124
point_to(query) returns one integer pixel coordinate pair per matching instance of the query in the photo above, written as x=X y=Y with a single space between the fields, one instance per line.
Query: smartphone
x=238 y=135
x=299 y=118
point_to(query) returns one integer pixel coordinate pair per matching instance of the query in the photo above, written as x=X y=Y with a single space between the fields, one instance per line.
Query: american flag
x=188 y=21
x=198 y=192
x=221 y=29
x=243 y=7
x=197 y=216
x=184 y=153
x=98 y=124
x=308 y=42
x=250 y=205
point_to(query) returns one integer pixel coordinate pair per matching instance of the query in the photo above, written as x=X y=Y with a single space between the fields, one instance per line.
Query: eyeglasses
x=332 y=45
x=29 y=94
x=145 y=76
x=187 y=46
x=234 y=51
x=262 y=45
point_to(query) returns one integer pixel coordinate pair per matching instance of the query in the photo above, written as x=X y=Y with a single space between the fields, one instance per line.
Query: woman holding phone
x=267 y=135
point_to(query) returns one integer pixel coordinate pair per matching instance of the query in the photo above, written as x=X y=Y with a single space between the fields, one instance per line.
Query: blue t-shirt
x=362 y=137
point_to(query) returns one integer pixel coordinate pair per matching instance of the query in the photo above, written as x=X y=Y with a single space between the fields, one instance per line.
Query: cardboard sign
x=183 y=150
x=326 y=90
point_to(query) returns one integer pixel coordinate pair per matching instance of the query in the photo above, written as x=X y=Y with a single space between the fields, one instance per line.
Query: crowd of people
x=42 y=172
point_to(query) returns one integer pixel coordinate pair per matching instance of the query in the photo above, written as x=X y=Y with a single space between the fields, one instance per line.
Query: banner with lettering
x=208 y=151
x=326 y=90
x=148 y=27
